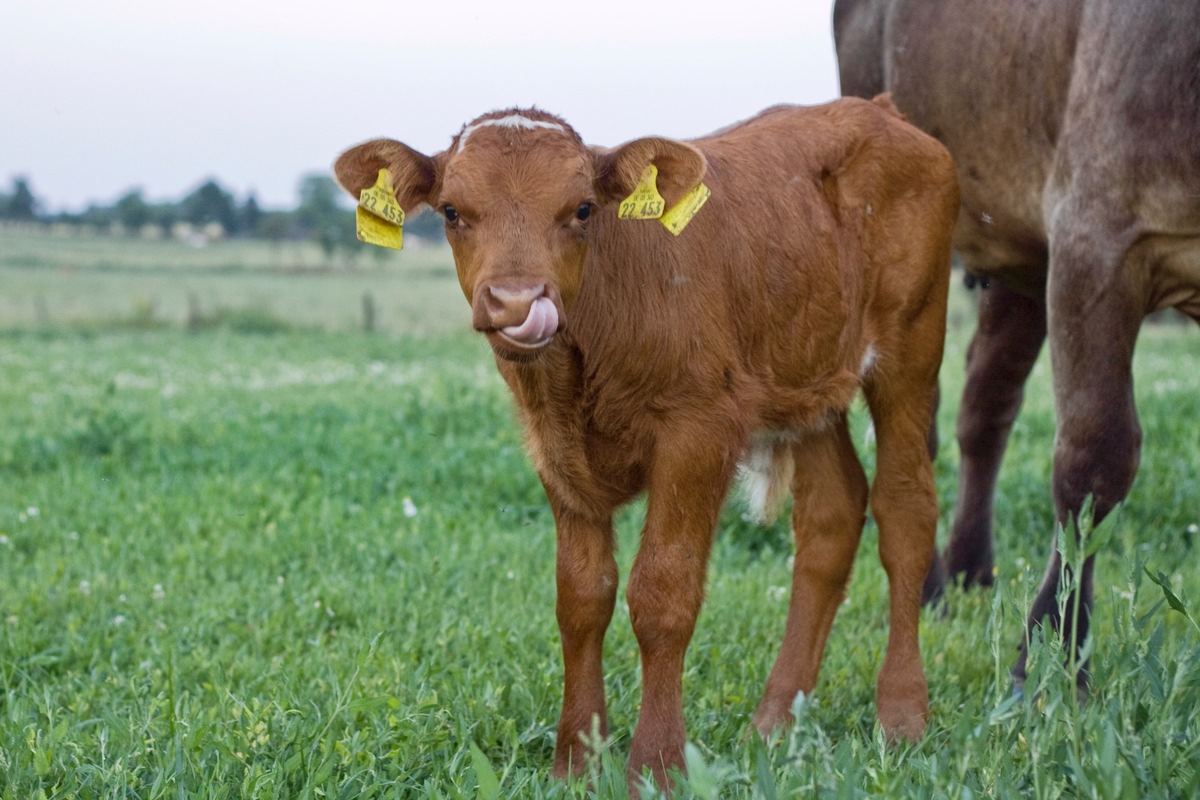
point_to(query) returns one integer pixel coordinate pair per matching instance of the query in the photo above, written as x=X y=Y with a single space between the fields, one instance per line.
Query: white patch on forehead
x=511 y=121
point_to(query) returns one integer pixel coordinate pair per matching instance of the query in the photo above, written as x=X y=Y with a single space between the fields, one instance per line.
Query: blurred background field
x=68 y=280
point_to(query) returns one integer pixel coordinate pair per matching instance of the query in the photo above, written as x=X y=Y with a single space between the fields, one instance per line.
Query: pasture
x=277 y=556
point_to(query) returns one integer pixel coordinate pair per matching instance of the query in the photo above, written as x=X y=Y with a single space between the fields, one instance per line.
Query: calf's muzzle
x=522 y=317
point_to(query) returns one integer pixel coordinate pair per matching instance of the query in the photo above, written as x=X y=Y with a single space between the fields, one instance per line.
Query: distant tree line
x=213 y=211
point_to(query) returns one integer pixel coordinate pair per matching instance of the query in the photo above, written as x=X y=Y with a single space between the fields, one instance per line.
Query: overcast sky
x=101 y=96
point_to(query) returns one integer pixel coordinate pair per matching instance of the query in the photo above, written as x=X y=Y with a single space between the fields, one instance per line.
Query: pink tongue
x=539 y=326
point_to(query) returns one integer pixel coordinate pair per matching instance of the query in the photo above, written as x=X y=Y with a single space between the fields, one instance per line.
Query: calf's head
x=521 y=194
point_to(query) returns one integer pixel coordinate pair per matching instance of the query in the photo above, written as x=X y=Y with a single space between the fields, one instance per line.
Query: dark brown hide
x=1075 y=125
x=818 y=268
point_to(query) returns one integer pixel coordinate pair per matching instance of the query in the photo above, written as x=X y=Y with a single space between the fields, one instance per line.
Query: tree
x=132 y=210
x=427 y=224
x=275 y=226
x=318 y=202
x=210 y=203
x=21 y=205
x=165 y=215
x=250 y=216
x=322 y=218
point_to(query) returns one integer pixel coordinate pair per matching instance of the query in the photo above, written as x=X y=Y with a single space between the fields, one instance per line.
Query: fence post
x=368 y=312
x=194 y=318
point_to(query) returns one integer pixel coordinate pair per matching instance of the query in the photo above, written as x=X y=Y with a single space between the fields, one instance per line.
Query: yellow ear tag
x=680 y=214
x=379 y=219
x=645 y=202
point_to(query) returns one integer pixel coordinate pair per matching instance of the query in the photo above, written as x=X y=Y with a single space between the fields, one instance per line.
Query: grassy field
x=299 y=561
x=55 y=282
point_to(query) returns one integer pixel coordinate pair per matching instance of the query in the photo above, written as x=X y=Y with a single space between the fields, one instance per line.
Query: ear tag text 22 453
x=379 y=219
x=646 y=203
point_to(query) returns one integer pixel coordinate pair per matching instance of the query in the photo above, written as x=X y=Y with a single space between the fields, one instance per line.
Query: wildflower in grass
x=33 y=511
x=118 y=620
x=158 y=593
x=776 y=593
x=85 y=588
x=5 y=541
x=12 y=619
x=410 y=509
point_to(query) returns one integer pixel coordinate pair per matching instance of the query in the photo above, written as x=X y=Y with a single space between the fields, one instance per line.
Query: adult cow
x=640 y=360
x=1075 y=125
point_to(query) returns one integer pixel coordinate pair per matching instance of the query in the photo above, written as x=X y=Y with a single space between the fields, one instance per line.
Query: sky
x=98 y=97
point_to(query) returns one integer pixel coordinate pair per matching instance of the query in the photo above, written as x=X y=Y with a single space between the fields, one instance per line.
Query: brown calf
x=643 y=361
x=1075 y=125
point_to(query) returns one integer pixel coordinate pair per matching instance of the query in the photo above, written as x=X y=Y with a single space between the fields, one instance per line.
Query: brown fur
x=1075 y=127
x=827 y=233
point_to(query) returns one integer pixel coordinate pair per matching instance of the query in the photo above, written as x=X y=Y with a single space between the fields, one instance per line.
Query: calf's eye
x=451 y=213
x=583 y=212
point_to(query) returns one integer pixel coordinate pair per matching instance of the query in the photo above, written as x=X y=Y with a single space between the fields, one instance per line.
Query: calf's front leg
x=587 y=592
x=666 y=589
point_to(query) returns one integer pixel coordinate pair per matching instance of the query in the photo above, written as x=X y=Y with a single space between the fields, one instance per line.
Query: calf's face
x=521 y=194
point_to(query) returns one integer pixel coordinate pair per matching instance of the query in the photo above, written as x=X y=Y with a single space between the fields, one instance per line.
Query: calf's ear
x=680 y=168
x=414 y=176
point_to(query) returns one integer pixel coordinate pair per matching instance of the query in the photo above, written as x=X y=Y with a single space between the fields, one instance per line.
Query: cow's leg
x=666 y=585
x=1002 y=353
x=1095 y=310
x=830 y=492
x=587 y=592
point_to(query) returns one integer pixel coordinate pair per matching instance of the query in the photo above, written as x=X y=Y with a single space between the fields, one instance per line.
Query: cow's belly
x=1175 y=278
x=998 y=235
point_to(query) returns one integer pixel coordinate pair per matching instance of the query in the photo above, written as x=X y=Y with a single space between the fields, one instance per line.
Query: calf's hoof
x=903 y=708
x=772 y=717
x=904 y=725
x=658 y=761
x=636 y=779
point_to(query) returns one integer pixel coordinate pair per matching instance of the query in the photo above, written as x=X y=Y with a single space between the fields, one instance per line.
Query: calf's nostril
x=502 y=302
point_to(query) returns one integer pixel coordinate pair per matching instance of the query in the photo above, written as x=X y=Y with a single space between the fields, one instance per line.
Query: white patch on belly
x=765 y=473
x=511 y=121
x=868 y=360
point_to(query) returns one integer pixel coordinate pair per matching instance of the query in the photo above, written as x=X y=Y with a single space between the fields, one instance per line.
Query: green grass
x=318 y=564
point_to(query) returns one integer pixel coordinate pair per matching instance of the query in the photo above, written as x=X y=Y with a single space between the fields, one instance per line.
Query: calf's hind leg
x=904 y=503
x=830 y=492
x=905 y=508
